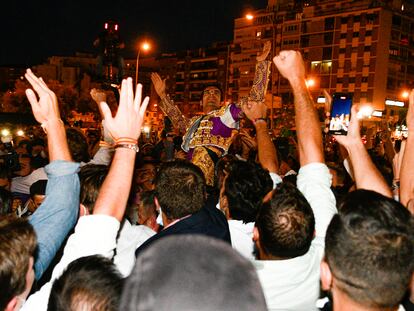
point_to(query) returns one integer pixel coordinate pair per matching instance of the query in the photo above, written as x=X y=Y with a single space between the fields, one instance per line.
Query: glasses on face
x=215 y=92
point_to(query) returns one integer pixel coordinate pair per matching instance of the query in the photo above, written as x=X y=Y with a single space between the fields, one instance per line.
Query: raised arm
x=407 y=166
x=365 y=173
x=125 y=128
x=57 y=215
x=105 y=152
x=256 y=112
x=167 y=105
x=314 y=179
x=46 y=112
x=290 y=65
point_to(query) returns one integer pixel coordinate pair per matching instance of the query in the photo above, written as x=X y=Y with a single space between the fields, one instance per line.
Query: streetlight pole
x=145 y=46
x=136 y=67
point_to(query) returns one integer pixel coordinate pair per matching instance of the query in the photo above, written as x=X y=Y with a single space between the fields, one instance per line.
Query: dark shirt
x=208 y=221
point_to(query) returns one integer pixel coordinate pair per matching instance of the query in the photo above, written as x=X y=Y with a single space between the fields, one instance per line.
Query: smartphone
x=340 y=113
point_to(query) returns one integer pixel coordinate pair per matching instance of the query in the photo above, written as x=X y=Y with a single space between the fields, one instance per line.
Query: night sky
x=32 y=30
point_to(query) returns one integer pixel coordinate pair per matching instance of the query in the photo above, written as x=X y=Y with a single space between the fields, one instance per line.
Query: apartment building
x=361 y=47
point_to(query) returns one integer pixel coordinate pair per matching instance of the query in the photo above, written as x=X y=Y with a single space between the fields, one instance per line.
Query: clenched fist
x=290 y=65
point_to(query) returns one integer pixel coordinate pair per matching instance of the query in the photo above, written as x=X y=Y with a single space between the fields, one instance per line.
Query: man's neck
x=342 y=302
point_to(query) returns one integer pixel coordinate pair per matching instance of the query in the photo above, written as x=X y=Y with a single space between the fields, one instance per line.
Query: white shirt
x=242 y=233
x=94 y=235
x=22 y=184
x=130 y=238
x=293 y=284
x=242 y=237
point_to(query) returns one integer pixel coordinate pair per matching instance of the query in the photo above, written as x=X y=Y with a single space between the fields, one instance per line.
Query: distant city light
x=397 y=103
x=20 y=133
x=365 y=112
x=321 y=100
x=249 y=17
x=5 y=132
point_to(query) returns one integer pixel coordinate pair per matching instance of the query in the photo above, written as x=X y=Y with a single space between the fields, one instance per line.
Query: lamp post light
x=145 y=46
x=249 y=16
x=310 y=83
x=405 y=94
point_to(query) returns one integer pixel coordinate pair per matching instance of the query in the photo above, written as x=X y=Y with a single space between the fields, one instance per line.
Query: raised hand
x=159 y=84
x=290 y=65
x=254 y=110
x=46 y=107
x=130 y=115
x=98 y=95
x=354 y=134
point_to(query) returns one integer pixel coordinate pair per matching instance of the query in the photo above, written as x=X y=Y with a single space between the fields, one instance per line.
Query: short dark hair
x=286 y=223
x=215 y=85
x=78 y=145
x=245 y=187
x=180 y=188
x=88 y=283
x=17 y=245
x=369 y=247
x=192 y=272
x=91 y=178
x=38 y=188
x=221 y=169
x=27 y=144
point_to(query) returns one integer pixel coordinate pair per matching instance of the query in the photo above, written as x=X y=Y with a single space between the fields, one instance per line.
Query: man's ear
x=157 y=204
x=268 y=196
x=11 y=304
x=256 y=234
x=326 y=275
x=83 y=211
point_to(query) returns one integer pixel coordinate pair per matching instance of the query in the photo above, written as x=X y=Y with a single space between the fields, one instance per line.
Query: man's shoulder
x=207 y=221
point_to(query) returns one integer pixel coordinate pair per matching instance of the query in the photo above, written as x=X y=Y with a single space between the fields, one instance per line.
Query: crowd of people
x=206 y=222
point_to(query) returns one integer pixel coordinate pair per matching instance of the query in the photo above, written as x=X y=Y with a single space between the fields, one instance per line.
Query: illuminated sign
x=397 y=103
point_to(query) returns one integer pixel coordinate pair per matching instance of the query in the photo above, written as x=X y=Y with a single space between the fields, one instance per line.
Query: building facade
x=361 y=47
x=189 y=72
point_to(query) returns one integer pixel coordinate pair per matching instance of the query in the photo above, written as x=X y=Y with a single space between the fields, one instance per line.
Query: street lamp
x=310 y=82
x=405 y=94
x=249 y=16
x=145 y=46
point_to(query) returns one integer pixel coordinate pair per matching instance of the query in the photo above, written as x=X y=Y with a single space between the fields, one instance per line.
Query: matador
x=208 y=137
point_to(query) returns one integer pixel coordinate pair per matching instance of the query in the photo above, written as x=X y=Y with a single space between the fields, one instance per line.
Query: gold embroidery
x=174 y=114
x=202 y=159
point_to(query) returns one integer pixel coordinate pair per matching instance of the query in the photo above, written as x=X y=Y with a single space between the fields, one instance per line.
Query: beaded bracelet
x=133 y=147
x=259 y=119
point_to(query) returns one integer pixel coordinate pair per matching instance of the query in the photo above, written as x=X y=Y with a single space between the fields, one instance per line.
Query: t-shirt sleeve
x=314 y=181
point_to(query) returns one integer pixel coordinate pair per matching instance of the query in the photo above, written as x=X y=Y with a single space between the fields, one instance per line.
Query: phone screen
x=340 y=114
